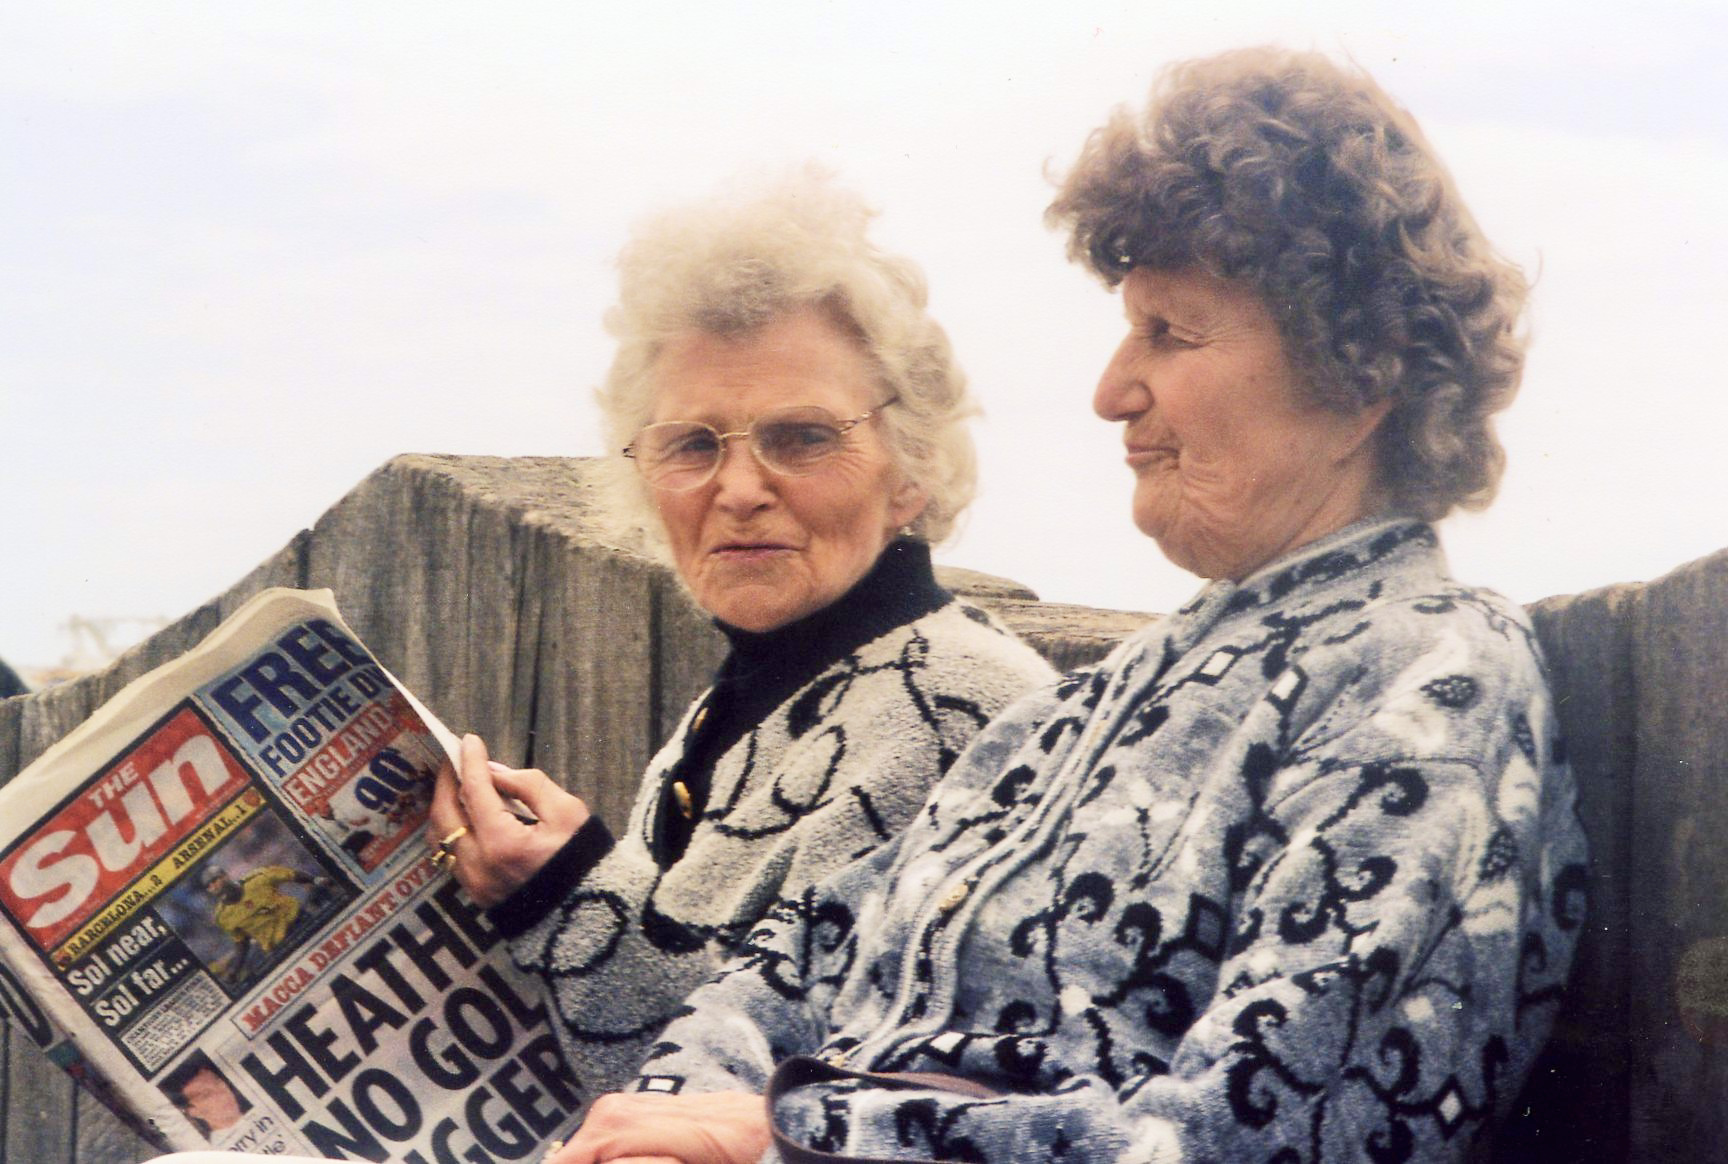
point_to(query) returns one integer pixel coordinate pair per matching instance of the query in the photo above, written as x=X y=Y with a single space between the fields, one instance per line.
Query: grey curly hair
x=1305 y=181
x=734 y=263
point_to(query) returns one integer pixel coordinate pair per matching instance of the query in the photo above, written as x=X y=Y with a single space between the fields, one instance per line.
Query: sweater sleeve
x=613 y=968
x=771 y=1000
x=530 y=905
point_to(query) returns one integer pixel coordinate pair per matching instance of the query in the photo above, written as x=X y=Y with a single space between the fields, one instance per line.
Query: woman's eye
x=1159 y=335
x=799 y=439
x=700 y=444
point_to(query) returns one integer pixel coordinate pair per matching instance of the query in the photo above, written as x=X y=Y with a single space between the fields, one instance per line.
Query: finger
x=548 y=806
x=537 y=791
x=599 y=1155
x=479 y=795
x=446 y=812
x=578 y=1154
x=606 y=1153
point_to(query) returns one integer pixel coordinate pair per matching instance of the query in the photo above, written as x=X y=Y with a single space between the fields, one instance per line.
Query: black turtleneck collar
x=765 y=668
x=900 y=587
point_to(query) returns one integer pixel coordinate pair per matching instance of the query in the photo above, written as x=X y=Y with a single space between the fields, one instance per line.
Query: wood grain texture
x=1678 y=870
x=1068 y=636
x=688 y=650
x=1577 y=1103
x=11 y=733
x=38 y=1105
x=101 y=1137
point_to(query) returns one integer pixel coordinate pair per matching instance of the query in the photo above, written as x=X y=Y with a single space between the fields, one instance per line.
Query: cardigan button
x=686 y=803
x=954 y=897
x=701 y=718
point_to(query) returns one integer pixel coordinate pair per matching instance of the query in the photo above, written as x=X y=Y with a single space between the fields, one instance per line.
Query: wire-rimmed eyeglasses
x=681 y=455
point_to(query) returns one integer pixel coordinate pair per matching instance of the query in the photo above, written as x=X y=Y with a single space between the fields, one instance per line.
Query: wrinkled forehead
x=1193 y=296
x=728 y=380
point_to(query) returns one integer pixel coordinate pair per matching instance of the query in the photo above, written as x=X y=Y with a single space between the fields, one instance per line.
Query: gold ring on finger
x=444 y=856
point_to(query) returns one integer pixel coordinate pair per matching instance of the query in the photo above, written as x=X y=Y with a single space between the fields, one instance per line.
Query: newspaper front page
x=219 y=914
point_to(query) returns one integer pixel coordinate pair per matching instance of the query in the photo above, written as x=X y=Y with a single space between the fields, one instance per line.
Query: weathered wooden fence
x=487 y=586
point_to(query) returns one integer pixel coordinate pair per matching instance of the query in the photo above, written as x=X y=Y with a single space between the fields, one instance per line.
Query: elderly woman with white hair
x=793 y=429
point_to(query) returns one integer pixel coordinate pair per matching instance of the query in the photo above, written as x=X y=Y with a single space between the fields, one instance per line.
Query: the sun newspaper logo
x=112 y=848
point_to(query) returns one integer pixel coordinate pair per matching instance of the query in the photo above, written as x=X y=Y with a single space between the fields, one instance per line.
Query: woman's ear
x=1360 y=427
x=906 y=504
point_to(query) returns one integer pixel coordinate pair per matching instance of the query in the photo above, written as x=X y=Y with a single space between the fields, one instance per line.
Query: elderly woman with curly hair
x=794 y=437
x=1295 y=873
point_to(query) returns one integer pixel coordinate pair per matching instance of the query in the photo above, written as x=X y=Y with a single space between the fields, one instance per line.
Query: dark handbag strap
x=803 y=1070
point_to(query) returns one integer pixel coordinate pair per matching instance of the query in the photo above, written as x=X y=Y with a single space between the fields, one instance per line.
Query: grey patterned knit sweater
x=1294 y=876
x=828 y=775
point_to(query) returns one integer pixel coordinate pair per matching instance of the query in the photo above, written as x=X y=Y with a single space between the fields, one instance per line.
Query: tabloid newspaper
x=219 y=914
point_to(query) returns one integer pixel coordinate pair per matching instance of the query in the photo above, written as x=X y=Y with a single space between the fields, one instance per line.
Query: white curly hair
x=730 y=265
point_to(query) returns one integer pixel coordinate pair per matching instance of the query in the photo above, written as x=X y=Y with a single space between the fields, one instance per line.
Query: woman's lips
x=1140 y=457
x=749 y=551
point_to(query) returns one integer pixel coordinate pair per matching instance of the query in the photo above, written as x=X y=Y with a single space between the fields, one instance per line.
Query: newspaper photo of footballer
x=262 y=892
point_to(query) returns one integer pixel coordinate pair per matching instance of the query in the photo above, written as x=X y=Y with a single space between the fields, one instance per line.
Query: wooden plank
x=11 y=721
x=491 y=702
x=378 y=550
x=1576 y=1105
x=542 y=502
x=49 y=715
x=592 y=706
x=578 y=609
x=1067 y=636
x=100 y=1137
x=44 y=717
x=687 y=652
x=39 y=1095
x=1679 y=869
x=507 y=591
x=515 y=724
x=38 y=1124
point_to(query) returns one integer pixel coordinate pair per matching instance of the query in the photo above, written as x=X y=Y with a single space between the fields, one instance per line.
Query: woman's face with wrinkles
x=759 y=550
x=1233 y=465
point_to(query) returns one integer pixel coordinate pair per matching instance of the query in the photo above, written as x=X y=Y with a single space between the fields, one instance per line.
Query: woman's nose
x=741 y=480
x=1122 y=391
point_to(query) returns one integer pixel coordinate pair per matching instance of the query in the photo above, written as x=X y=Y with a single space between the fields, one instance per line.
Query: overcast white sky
x=248 y=252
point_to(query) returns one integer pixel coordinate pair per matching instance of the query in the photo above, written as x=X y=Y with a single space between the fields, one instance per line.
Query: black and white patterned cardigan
x=830 y=774
x=1295 y=875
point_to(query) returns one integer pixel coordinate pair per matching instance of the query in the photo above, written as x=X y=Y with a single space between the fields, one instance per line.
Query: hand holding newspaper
x=217 y=912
